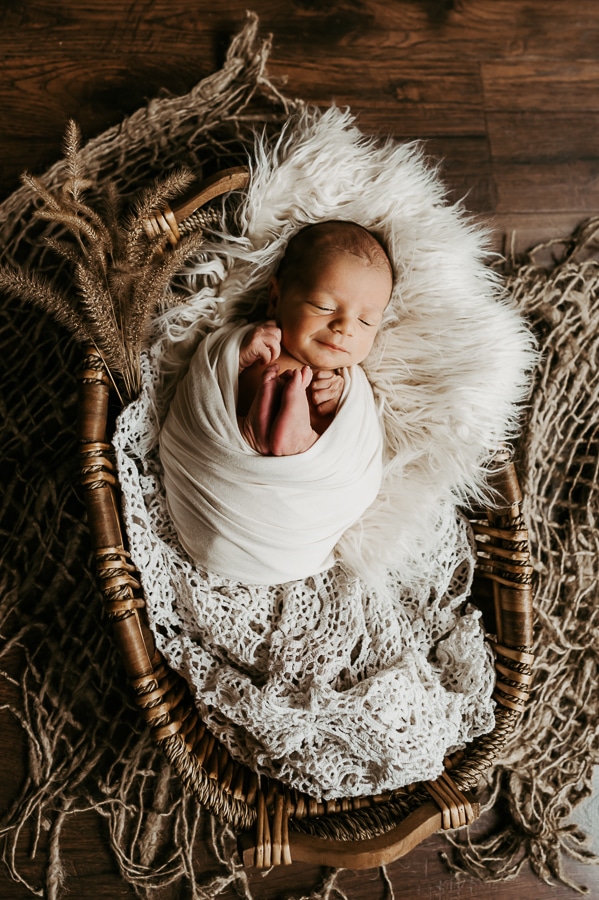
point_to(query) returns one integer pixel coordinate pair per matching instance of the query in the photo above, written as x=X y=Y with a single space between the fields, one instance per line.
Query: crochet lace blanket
x=254 y=518
x=332 y=687
x=355 y=680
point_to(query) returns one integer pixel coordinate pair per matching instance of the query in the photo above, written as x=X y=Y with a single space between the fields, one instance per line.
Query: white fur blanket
x=258 y=519
x=448 y=370
x=450 y=365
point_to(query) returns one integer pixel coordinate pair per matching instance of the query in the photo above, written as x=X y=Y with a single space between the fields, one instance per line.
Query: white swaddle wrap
x=263 y=519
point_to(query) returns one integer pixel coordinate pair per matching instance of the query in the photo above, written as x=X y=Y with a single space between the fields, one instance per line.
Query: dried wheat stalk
x=119 y=275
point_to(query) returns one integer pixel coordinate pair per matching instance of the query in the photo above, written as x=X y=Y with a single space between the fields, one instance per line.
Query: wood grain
x=504 y=92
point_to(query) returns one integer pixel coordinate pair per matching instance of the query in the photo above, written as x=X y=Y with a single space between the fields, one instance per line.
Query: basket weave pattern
x=373 y=829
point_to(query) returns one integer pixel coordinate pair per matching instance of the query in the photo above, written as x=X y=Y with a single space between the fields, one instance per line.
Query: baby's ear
x=274 y=292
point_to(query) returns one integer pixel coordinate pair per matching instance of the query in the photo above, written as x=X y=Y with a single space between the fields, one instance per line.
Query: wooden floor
x=505 y=93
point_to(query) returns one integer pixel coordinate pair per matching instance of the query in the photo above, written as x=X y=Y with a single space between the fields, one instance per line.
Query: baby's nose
x=342 y=324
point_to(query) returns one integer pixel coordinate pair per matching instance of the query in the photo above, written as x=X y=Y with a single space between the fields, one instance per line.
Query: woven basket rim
x=227 y=788
x=372 y=829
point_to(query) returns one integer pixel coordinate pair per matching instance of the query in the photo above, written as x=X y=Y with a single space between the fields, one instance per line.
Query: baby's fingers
x=325 y=400
x=274 y=349
x=326 y=407
x=325 y=380
x=321 y=392
x=327 y=384
x=263 y=343
x=271 y=340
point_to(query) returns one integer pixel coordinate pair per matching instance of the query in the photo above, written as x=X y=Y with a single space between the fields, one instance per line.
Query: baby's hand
x=326 y=388
x=262 y=343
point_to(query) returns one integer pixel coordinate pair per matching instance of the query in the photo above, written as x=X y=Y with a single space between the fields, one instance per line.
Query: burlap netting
x=84 y=745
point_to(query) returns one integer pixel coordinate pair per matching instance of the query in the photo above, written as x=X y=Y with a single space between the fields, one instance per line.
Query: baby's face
x=329 y=318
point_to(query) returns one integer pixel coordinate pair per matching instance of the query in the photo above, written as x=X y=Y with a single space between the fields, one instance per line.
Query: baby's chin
x=327 y=360
x=344 y=363
x=319 y=366
x=319 y=356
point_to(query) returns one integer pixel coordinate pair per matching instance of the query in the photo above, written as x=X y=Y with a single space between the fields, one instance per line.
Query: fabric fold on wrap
x=263 y=519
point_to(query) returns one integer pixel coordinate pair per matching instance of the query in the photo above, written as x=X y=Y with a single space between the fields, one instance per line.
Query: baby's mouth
x=336 y=347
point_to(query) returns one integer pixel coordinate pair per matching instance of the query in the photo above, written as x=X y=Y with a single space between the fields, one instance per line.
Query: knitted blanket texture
x=61 y=678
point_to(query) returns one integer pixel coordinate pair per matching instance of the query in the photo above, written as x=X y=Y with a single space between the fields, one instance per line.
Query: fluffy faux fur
x=449 y=367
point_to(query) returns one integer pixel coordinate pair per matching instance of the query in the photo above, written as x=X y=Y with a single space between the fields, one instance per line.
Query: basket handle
x=166 y=220
x=273 y=843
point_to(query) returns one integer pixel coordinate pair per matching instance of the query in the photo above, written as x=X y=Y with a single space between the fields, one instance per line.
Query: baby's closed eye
x=326 y=309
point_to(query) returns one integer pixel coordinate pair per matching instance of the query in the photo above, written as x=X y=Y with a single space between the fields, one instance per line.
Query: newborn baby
x=328 y=299
x=272 y=446
x=271 y=450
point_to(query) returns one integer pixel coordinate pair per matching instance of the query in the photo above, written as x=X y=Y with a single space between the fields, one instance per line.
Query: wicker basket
x=276 y=824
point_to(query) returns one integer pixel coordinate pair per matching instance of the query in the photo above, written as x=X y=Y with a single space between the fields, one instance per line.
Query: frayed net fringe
x=68 y=694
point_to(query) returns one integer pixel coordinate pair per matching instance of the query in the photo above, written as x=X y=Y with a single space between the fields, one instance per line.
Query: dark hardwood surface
x=504 y=92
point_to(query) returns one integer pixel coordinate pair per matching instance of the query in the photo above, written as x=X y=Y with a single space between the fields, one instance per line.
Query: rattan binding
x=276 y=824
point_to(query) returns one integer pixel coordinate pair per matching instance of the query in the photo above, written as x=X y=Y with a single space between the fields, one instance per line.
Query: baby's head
x=330 y=293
